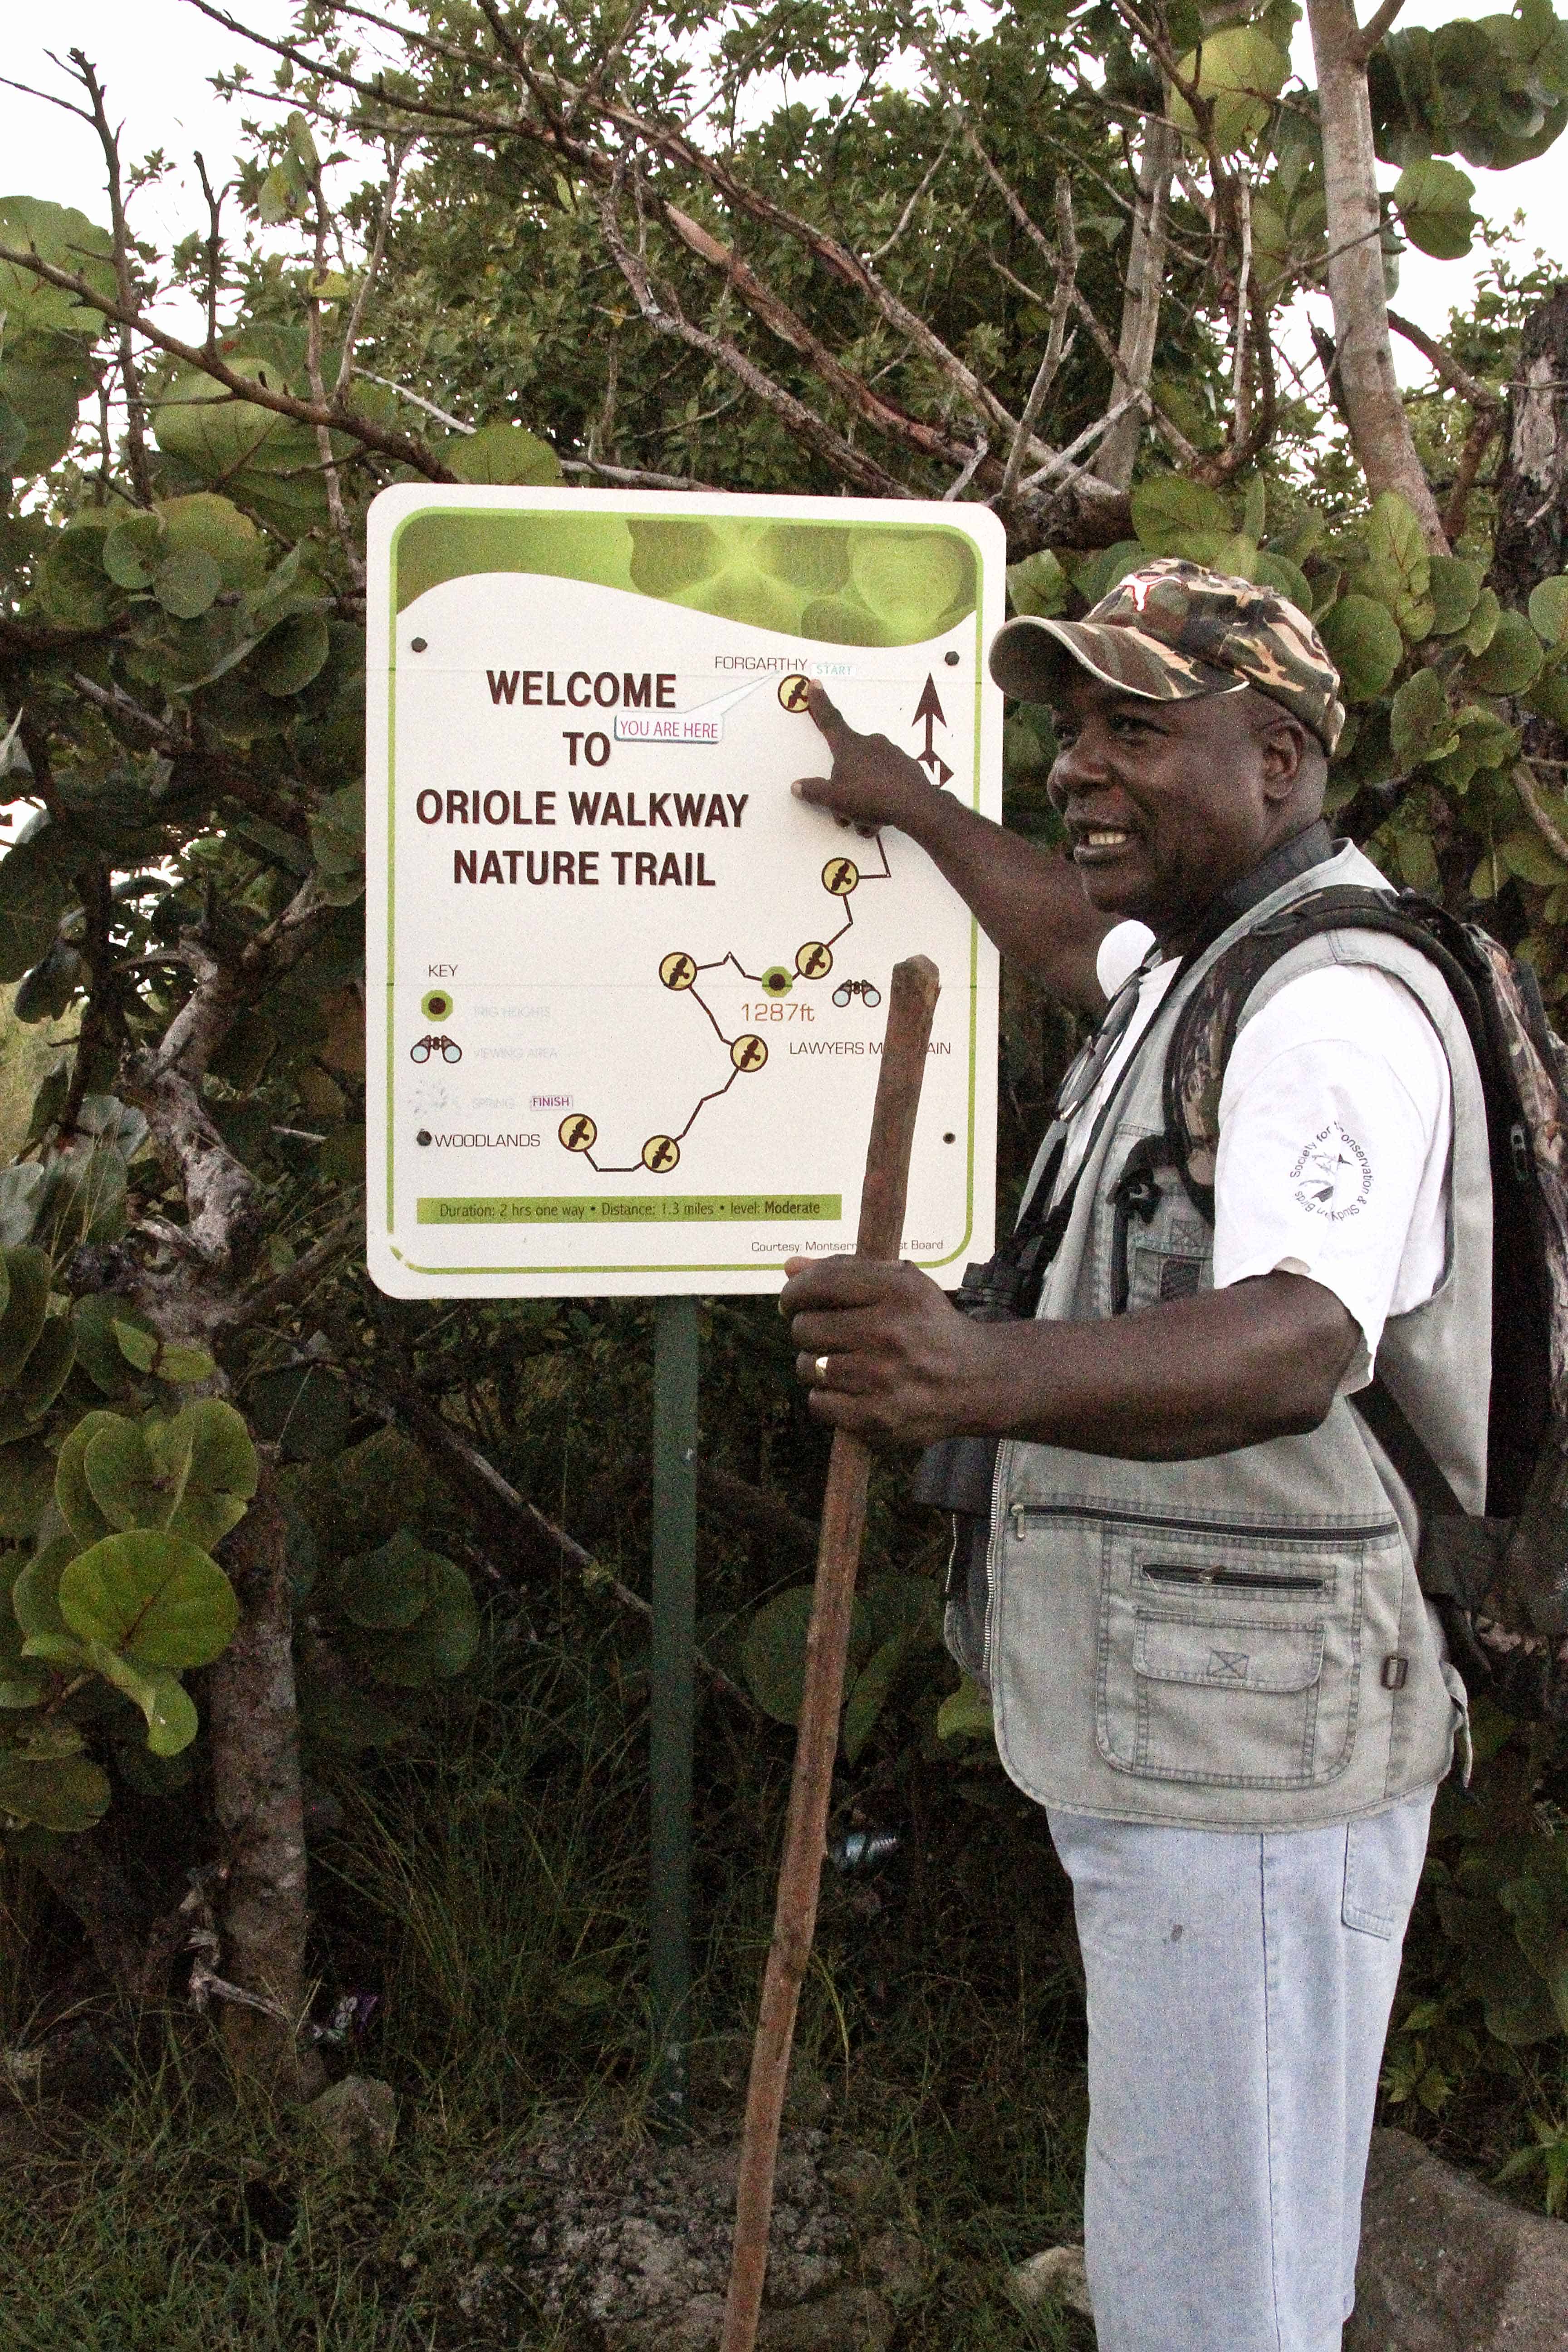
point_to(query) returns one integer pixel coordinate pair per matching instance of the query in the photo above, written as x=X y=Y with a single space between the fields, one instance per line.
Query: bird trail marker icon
x=929 y=707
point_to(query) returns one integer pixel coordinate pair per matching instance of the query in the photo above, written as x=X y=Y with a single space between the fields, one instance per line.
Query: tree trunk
x=1379 y=427
x=1531 y=540
x=1140 y=303
x=263 y=1912
x=1532 y=486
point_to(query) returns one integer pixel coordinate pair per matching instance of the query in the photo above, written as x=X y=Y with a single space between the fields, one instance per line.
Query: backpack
x=1500 y=1582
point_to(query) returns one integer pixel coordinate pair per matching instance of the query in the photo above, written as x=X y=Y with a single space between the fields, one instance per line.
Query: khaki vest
x=1238 y=1642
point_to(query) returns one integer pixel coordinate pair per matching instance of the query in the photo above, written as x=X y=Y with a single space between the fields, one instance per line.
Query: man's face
x=1165 y=802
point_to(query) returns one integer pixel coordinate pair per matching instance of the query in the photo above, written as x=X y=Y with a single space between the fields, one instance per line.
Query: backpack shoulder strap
x=1205 y=1032
x=1522 y=1302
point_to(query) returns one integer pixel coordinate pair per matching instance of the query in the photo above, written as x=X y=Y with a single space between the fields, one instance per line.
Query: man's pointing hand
x=872 y=784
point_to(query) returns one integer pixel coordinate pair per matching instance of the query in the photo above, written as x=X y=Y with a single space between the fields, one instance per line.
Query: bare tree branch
x=849 y=464
x=1459 y=379
x=397 y=156
x=396 y=446
x=1379 y=427
x=135 y=417
x=1376 y=26
x=1140 y=303
x=1524 y=785
x=1055 y=346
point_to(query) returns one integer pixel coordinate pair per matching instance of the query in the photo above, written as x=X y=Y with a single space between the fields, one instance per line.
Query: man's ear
x=1286 y=749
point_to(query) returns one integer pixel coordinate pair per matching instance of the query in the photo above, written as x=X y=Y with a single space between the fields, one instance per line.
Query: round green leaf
x=1549 y=697
x=163 y=1698
x=441 y=1642
x=22 y=1323
x=295 y=653
x=1526 y=855
x=49 y=988
x=869 y=1691
x=45 y=1373
x=136 y=1473
x=1455 y=587
x=1433 y=200
x=502 y=454
x=1478 y=630
x=73 y=1495
x=965 y=1712
x=773 y=1654
x=26 y=1489
x=1364 y=645
x=222 y=1475
x=1512 y=662
x=98 y=1318
x=134 y=550
x=1168 y=511
x=156 y=1597
x=1420 y=722
x=1399 y=569
x=66 y=1794
x=1243 y=71
x=37 y=883
x=1549 y=611
x=186 y=583
x=218 y=436
x=386 y=1589
x=1278 y=571
x=1039 y=585
x=34 y=1593
x=303 y=1409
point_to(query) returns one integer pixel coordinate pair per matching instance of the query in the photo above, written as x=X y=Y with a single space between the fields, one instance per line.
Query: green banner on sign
x=663 y=1209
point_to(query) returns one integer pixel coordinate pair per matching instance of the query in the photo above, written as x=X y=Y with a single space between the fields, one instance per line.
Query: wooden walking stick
x=911 y=1003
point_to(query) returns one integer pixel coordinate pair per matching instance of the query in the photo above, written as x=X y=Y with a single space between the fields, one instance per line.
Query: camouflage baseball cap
x=1170 y=632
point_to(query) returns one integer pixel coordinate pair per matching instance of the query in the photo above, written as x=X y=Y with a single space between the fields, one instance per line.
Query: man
x=1196 y=1604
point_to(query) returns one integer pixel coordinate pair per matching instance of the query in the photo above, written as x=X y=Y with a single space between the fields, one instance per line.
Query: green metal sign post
x=674 y=1596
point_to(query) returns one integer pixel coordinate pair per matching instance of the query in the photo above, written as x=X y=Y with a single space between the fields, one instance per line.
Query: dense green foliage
x=558 y=278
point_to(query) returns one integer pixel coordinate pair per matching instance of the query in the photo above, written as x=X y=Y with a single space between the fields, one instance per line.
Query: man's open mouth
x=1093 y=845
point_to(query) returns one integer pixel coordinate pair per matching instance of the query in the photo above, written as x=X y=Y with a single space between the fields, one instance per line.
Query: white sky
x=157 y=57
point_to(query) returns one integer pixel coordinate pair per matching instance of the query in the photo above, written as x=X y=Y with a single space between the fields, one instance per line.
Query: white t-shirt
x=1335 y=1123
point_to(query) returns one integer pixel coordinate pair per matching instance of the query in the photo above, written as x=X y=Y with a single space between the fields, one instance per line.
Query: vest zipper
x=1019 y=1512
x=1168 y=1572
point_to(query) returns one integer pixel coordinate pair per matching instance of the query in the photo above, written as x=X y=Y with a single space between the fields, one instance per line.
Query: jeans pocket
x=1370 y=1896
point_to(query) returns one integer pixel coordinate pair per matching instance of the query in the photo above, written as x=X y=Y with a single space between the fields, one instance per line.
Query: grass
x=491 y=1888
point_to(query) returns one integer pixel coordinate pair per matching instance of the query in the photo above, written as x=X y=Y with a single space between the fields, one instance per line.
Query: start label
x=625 y=990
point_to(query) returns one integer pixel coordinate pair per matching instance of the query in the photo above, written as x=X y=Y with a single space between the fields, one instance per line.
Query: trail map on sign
x=625 y=989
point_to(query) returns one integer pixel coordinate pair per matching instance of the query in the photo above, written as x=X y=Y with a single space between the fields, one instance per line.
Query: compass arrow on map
x=928 y=708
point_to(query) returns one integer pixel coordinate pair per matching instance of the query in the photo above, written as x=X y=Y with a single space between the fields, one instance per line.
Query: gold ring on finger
x=820 y=1368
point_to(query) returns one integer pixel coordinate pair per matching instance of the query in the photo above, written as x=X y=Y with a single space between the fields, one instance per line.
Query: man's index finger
x=831 y=723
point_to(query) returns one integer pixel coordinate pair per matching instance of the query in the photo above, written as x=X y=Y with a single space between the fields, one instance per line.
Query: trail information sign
x=623 y=986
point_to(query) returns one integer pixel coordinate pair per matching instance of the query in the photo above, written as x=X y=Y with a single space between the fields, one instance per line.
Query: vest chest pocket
x=1230 y=1658
x=1160 y=1248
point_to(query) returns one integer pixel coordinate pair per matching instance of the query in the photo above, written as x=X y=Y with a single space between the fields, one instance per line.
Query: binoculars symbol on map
x=423 y=1047
x=867 y=990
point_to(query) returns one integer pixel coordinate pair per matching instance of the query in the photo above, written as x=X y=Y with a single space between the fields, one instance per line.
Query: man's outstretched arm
x=1193 y=1377
x=1028 y=900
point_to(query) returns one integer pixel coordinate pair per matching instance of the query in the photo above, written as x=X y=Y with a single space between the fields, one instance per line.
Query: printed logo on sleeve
x=1331 y=1175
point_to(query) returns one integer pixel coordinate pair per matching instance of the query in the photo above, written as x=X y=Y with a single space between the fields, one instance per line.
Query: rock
x=358 y=2116
x=631 y=2246
x=1057 y=2275
x=1447 y=2265
x=893 y=2260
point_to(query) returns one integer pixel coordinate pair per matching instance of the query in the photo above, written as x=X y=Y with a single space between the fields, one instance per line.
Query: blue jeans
x=1240 y=1988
